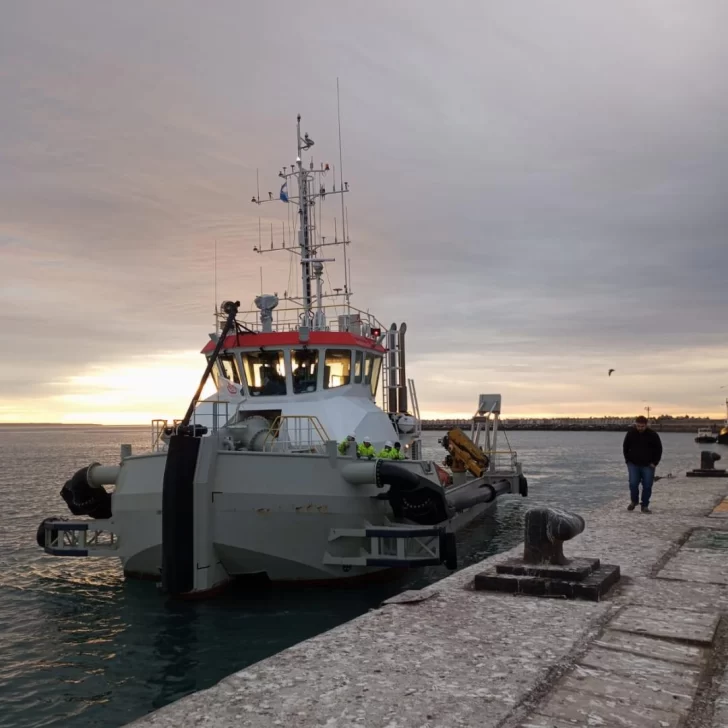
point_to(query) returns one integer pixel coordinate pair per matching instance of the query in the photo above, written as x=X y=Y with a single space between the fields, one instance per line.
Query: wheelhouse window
x=358 y=367
x=215 y=372
x=372 y=367
x=265 y=372
x=337 y=368
x=229 y=367
x=304 y=364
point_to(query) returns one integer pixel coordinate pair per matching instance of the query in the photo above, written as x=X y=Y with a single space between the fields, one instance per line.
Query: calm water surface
x=79 y=646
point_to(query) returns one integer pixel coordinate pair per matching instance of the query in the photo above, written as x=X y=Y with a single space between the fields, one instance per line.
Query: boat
x=269 y=476
x=722 y=438
x=705 y=435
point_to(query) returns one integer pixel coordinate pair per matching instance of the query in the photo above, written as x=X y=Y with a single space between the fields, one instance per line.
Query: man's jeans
x=638 y=473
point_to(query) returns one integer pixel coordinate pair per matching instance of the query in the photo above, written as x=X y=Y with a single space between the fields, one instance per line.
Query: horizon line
x=441 y=418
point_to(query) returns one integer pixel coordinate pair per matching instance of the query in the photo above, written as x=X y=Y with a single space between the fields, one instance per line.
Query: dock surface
x=653 y=653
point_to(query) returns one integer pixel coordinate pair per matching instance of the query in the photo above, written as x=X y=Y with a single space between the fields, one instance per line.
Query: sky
x=537 y=189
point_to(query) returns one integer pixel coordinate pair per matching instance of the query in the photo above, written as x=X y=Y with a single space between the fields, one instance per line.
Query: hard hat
x=367 y=439
x=352 y=436
x=397 y=444
x=388 y=443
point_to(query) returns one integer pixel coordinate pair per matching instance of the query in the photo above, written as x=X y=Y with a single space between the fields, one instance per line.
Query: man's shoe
x=631 y=506
x=645 y=509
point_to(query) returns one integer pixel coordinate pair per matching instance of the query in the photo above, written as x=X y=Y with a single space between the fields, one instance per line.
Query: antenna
x=257 y=185
x=341 y=181
x=215 y=285
x=349 y=278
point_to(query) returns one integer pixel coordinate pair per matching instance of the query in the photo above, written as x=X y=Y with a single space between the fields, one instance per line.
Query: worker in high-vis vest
x=366 y=450
x=348 y=446
x=396 y=453
x=386 y=452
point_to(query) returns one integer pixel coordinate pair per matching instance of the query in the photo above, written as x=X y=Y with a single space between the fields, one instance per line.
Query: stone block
x=696 y=627
x=650 y=647
x=592 y=588
x=575 y=570
x=584 y=709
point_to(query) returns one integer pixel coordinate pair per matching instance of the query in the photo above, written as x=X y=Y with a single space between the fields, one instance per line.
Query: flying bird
x=610 y=372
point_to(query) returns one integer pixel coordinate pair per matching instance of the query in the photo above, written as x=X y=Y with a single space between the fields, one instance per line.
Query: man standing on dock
x=642 y=449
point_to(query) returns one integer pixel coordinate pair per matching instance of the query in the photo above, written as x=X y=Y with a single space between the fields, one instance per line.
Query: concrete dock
x=654 y=652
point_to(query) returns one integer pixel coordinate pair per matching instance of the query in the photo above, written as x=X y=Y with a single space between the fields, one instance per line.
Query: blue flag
x=284 y=192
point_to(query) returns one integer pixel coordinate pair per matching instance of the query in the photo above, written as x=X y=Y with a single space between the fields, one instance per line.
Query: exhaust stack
x=392 y=369
x=402 y=372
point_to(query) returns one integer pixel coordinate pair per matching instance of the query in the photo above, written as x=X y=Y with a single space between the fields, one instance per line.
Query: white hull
x=277 y=513
x=248 y=555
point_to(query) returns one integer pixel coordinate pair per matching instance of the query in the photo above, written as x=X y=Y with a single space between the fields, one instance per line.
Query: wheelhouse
x=283 y=364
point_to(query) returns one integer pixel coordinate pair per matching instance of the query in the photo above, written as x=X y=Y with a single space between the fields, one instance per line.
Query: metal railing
x=415 y=406
x=289 y=318
x=296 y=433
x=502 y=460
x=214 y=420
x=158 y=437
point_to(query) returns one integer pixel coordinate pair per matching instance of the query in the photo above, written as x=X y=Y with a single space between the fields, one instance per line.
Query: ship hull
x=264 y=513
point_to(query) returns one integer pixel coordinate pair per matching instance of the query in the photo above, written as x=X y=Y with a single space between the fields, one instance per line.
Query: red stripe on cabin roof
x=290 y=338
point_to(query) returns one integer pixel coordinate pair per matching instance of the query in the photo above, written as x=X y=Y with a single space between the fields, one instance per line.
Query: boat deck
x=653 y=653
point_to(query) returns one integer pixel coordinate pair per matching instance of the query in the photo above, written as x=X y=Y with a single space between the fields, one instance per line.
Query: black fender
x=413 y=496
x=40 y=534
x=84 y=499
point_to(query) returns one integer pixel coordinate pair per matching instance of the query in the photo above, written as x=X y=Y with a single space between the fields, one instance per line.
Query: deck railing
x=296 y=433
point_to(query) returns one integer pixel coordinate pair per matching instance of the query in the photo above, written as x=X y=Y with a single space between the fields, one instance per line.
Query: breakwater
x=582 y=425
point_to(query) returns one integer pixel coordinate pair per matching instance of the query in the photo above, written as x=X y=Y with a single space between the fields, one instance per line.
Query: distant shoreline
x=63 y=424
x=445 y=425
x=668 y=425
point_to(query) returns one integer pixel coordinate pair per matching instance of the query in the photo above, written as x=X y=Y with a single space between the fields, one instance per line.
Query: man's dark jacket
x=642 y=448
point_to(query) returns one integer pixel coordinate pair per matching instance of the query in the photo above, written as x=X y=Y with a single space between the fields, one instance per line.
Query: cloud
x=540 y=195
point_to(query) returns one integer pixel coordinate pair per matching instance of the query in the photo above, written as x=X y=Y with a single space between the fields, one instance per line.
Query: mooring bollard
x=708 y=460
x=707 y=468
x=546 y=531
x=544 y=570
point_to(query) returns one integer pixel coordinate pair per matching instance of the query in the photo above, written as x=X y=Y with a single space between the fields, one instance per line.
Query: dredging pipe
x=99 y=475
x=381 y=473
x=474 y=493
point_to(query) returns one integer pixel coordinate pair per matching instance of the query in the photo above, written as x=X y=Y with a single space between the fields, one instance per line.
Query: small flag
x=284 y=192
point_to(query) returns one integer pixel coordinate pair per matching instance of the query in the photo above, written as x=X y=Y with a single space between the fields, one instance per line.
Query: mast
x=343 y=215
x=304 y=235
x=312 y=189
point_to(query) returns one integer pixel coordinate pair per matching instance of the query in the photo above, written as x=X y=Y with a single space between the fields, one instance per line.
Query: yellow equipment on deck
x=465 y=454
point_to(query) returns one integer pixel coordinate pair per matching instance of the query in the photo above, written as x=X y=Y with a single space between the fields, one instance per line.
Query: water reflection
x=175 y=647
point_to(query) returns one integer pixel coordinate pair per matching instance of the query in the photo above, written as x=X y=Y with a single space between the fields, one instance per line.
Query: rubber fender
x=449 y=550
x=40 y=534
x=85 y=500
x=523 y=485
x=178 y=565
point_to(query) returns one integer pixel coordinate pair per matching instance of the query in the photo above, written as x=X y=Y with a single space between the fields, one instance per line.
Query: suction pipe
x=99 y=475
